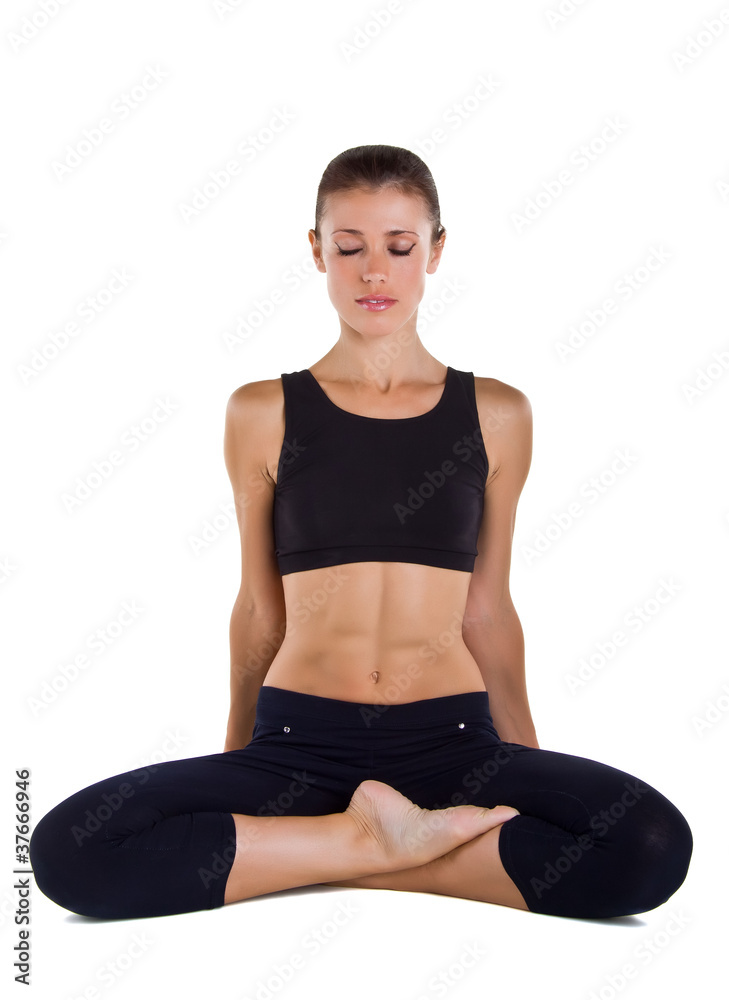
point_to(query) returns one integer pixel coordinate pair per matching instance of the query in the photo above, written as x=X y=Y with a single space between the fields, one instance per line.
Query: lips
x=376 y=303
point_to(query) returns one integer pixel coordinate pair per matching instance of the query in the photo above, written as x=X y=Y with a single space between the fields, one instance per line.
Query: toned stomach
x=375 y=632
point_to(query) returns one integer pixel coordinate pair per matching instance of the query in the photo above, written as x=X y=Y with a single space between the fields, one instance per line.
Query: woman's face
x=376 y=245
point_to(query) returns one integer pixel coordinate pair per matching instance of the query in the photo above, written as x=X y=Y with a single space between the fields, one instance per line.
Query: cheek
x=336 y=270
x=336 y=281
x=414 y=280
x=337 y=290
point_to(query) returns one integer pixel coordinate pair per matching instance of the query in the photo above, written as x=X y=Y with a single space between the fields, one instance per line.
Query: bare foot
x=403 y=835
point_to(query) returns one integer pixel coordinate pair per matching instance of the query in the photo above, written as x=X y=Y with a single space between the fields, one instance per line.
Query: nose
x=374 y=267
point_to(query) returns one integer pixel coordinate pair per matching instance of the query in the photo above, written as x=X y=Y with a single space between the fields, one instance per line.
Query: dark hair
x=378 y=167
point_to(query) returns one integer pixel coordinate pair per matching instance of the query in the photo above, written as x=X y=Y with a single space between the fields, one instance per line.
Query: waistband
x=469 y=707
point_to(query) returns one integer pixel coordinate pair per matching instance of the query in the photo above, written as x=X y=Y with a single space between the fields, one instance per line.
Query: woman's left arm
x=491 y=627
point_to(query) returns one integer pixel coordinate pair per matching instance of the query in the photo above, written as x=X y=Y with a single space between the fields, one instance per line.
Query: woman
x=379 y=732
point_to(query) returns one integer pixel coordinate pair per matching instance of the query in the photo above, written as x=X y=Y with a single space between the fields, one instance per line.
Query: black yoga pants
x=591 y=840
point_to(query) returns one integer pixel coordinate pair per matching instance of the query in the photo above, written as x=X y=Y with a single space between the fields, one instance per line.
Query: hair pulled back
x=376 y=167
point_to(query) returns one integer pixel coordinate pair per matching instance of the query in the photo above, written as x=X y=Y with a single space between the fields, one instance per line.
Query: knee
x=62 y=872
x=46 y=857
x=653 y=856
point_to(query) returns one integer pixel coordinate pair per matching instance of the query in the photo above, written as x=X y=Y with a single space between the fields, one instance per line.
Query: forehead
x=383 y=211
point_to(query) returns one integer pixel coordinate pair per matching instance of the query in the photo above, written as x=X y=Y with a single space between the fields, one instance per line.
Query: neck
x=383 y=361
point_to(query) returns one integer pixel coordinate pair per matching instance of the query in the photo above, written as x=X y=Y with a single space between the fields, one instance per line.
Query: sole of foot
x=402 y=835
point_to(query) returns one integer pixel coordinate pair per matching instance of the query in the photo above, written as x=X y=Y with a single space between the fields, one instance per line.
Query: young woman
x=379 y=732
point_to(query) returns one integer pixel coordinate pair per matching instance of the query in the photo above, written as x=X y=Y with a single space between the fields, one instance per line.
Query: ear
x=435 y=255
x=316 y=252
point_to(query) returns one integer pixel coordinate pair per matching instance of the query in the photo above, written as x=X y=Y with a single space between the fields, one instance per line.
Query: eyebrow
x=390 y=232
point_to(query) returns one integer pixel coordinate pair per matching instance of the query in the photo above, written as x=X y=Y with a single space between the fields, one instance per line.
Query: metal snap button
x=461 y=725
x=286 y=729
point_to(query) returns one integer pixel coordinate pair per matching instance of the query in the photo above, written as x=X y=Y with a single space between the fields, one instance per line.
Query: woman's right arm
x=253 y=423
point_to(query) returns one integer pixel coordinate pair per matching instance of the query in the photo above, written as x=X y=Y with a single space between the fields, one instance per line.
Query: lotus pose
x=379 y=734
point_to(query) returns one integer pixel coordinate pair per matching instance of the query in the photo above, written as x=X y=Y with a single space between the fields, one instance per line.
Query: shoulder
x=505 y=418
x=255 y=423
x=252 y=394
x=254 y=430
x=502 y=403
x=256 y=401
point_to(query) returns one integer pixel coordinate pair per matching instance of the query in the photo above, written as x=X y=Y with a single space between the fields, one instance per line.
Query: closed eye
x=397 y=253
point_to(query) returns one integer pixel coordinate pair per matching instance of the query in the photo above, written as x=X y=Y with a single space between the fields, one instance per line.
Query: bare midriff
x=375 y=632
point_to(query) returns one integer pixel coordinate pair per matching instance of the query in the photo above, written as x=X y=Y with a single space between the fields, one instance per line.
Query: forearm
x=241 y=719
x=254 y=642
x=497 y=645
x=510 y=711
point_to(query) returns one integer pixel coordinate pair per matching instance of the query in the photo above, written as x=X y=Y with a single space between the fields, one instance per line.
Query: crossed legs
x=382 y=840
x=575 y=837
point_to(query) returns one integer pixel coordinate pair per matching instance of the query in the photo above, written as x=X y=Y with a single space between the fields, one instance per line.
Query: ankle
x=367 y=853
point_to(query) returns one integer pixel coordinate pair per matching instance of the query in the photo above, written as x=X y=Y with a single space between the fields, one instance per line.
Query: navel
x=375 y=675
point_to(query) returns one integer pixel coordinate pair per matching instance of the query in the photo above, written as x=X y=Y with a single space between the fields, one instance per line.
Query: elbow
x=498 y=615
x=259 y=606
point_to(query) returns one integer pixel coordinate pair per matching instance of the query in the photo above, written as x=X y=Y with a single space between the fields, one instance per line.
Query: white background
x=160 y=690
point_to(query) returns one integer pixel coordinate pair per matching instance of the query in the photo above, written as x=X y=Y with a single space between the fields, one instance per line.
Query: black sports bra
x=352 y=488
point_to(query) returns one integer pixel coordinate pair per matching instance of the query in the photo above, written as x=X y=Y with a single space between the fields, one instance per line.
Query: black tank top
x=352 y=488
